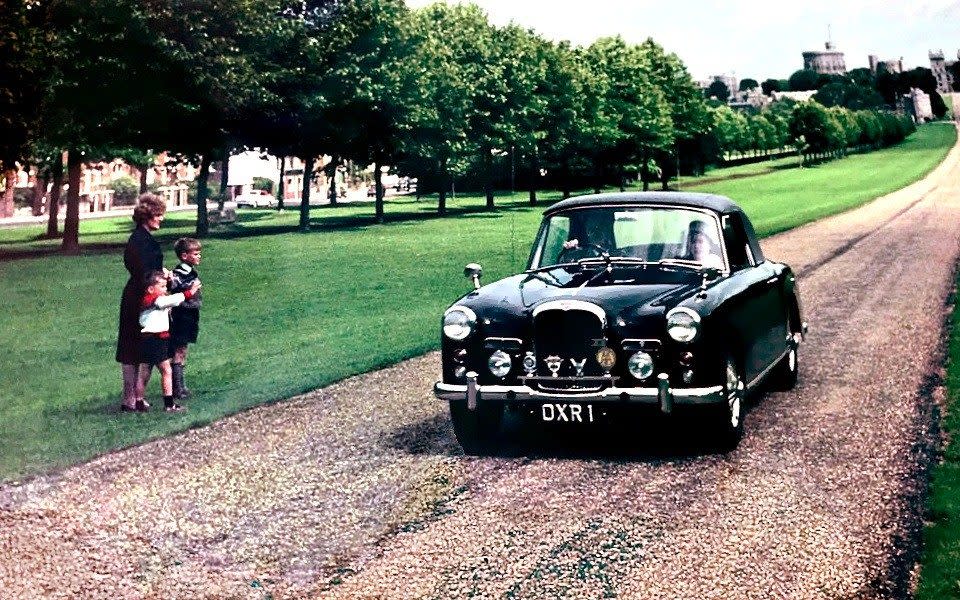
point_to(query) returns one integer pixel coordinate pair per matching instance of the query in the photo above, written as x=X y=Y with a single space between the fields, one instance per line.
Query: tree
x=437 y=143
x=819 y=130
x=770 y=85
x=748 y=84
x=24 y=33
x=718 y=90
x=848 y=95
x=634 y=118
x=689 y=115
x=803 y=80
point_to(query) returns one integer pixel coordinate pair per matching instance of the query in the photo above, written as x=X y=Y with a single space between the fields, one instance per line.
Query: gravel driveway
x=358 y=490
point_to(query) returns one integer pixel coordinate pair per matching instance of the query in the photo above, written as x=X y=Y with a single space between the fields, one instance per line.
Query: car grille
x=567 y=334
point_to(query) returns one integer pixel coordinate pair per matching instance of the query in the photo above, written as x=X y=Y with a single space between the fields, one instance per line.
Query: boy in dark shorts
x=184 y=319
x=155 y=336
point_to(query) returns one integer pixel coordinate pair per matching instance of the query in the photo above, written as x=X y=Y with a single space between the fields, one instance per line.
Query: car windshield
x=649 y=234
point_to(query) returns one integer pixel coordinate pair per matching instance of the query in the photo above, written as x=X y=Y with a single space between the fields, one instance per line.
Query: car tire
x=728 y=417
x=476 y=430
x=784 y=375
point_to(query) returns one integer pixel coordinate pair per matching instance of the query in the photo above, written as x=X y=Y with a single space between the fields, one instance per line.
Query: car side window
x=557 y=234
x=735 y=237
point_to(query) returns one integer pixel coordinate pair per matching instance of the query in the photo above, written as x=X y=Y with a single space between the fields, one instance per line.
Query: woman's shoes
x=174 y=408
x=138 y=406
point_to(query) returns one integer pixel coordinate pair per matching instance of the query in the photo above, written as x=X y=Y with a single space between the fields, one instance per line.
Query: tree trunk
x=378 y=186
x=665 y=173
x=442 y=202
x=623 y=177
x=566 y=180
x=71 y=226
x=645 y=172
x=143 y=177
x=224 y=174
x=333 y=179
x=283 y=167
x=305 y=197
x=488 y=177
x=39 y=193
x=597 y=176
x=203 y=223
x=534 y=175
x=53 y=206
x=6 y=203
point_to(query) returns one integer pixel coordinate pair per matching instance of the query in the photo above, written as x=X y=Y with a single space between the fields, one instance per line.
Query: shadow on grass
x=247 y=226
x=639 y=436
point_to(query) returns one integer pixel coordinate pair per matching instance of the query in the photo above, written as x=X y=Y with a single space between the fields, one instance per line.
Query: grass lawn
x=286 y=312
x=940 y=574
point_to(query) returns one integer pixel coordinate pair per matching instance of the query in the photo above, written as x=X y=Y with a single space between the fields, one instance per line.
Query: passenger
x=701 y=248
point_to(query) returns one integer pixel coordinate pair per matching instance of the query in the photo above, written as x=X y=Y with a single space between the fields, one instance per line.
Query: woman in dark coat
x=141 y=255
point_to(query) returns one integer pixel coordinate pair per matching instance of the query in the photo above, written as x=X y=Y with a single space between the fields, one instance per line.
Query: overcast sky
x=748 y=38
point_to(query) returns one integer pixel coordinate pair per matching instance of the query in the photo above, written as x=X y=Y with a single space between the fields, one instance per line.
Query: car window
x=735 y=237
x=557 y=232
x=648 y=233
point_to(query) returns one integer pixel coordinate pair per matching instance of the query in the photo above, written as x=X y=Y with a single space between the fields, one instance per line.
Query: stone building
x=827 y=62
x=889 y=66
x=941 y=70
x=917 y=105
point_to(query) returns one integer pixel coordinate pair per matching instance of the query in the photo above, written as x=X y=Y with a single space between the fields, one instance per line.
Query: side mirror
x=473 y=271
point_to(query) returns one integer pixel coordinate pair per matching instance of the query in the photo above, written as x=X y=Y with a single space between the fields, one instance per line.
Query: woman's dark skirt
x=128 y=334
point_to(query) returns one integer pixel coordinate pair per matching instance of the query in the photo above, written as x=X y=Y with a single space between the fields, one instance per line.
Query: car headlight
x=683 y=324
x=499 y=363
x=640 y=365
x=458 y=322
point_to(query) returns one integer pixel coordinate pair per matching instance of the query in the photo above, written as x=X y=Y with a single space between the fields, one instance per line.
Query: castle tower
x=938 y=66
x=828 y=61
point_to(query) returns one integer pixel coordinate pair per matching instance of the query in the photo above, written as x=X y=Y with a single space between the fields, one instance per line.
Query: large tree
x=689 y=116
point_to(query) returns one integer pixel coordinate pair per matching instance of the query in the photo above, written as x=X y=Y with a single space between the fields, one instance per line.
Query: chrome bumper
x=662 y=395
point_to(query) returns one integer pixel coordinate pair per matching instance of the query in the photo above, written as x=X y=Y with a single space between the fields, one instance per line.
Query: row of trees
x=435 y=93
x=810 y=127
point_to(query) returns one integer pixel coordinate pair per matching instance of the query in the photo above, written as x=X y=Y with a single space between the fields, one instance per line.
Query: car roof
x=714 y=202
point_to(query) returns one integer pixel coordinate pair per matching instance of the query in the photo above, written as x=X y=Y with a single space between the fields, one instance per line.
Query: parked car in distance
x=659 y=298
x=256 y=199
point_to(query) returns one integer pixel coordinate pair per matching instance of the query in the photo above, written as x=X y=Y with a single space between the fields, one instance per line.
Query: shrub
x=125 y=191
x=263 y=183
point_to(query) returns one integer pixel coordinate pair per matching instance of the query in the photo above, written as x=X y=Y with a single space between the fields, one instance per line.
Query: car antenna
x=513 y=254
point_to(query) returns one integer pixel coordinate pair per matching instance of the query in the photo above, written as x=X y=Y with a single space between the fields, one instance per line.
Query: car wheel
x=728 y=418
x=476 y=430
x=784 y=375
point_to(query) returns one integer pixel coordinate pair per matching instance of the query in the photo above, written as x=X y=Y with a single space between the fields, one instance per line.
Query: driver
x=597 y=235
x=701 y=248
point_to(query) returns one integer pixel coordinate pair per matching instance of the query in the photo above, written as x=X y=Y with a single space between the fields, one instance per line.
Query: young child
x=155 y=334
x=184 y=319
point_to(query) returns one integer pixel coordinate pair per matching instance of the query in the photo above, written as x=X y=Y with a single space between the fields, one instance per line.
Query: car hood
x=628 y=295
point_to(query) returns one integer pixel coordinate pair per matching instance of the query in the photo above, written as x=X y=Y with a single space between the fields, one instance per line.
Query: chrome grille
x=568 y=333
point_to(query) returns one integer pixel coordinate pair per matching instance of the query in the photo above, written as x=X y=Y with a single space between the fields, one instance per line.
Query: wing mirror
x=473 y=271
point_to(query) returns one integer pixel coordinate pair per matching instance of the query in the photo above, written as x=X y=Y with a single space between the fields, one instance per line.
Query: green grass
x=286 y=312
x=940 y=573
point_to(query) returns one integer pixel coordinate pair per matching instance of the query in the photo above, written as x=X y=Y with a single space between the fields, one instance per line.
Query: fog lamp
x=640 y=365
x=607 y=358
x=459 y=372
x=499 y=363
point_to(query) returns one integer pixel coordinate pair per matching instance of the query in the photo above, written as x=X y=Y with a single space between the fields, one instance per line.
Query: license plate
x=566 y=413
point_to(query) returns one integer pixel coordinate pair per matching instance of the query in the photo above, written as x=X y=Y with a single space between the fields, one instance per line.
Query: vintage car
x=662 y=299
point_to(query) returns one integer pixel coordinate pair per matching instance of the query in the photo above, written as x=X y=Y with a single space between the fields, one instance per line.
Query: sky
x=747 y=38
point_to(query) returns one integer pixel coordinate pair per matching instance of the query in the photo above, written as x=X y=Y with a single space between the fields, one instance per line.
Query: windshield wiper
x=681 y=262
x=552 y=267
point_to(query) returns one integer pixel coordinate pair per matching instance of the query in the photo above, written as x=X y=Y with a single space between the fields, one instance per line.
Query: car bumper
x=662 y=395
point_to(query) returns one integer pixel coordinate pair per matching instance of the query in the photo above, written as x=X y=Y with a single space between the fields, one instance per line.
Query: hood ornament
x=578 y=365
x=553 y=363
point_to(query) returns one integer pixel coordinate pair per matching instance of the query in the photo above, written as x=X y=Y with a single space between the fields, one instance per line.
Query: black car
x=639 y=298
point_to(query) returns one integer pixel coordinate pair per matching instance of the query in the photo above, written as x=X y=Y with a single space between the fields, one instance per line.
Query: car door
x=758 y=315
